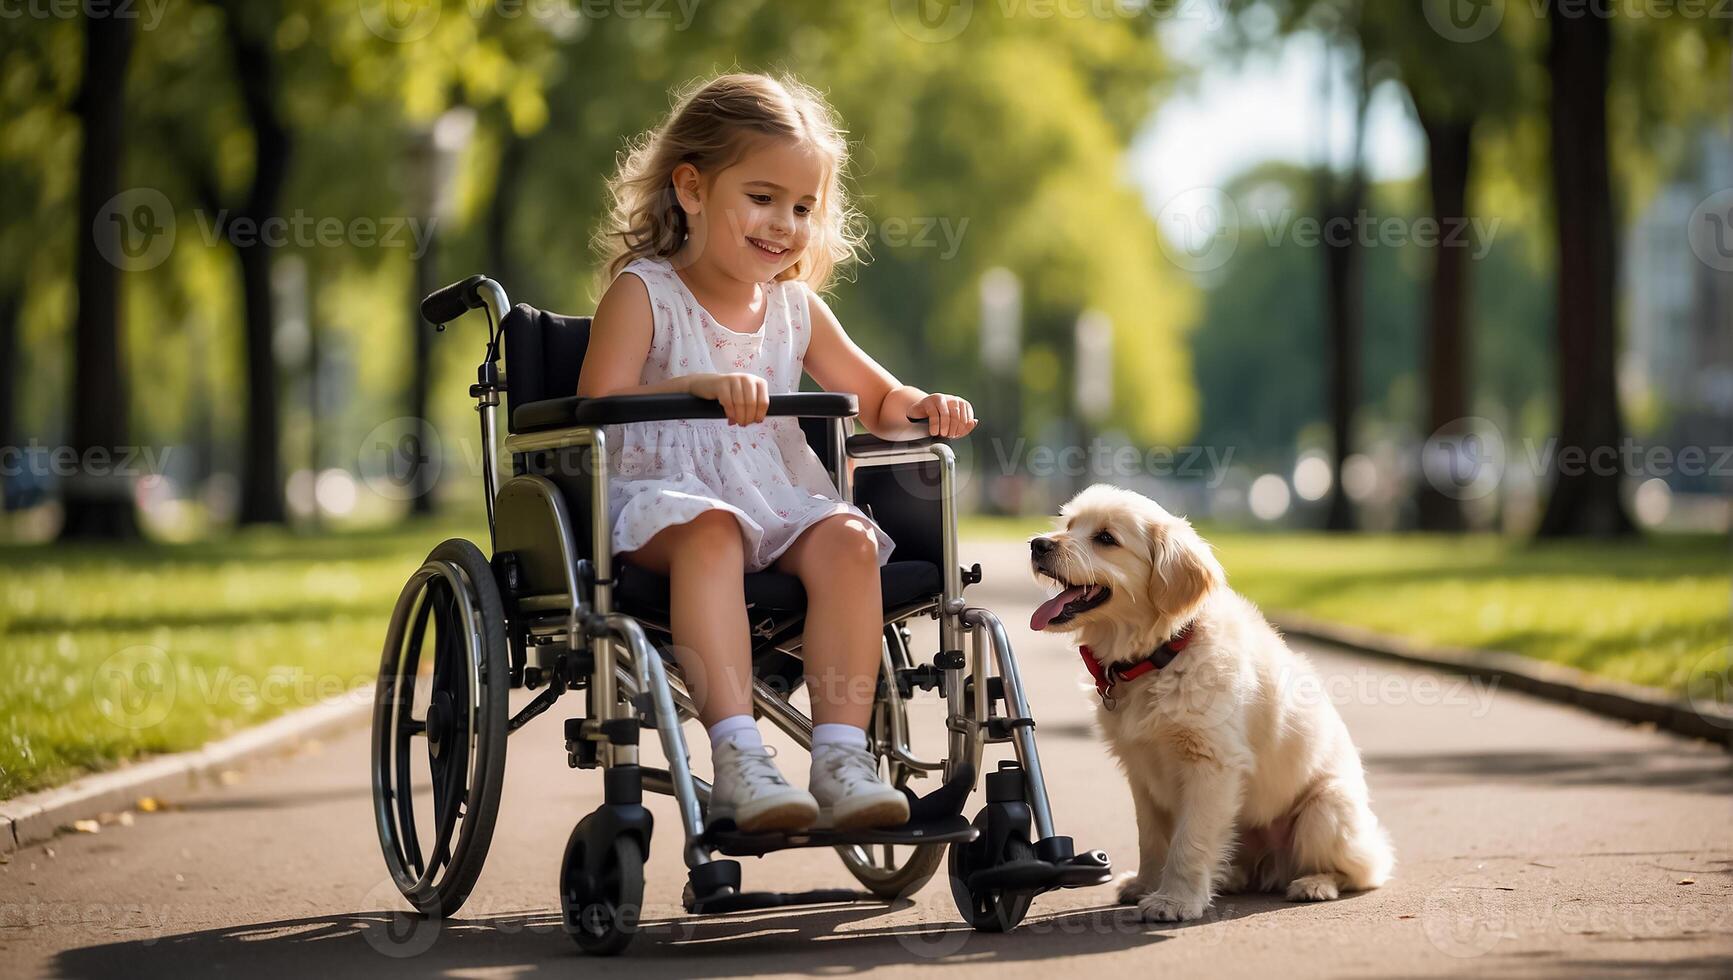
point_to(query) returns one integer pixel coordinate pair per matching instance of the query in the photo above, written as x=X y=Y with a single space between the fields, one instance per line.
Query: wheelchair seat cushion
x=904 y=583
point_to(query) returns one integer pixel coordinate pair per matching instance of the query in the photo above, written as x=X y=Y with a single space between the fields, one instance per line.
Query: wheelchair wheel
x=989 y=910
x=439 y=728
x=600 y=910
x=892 y=871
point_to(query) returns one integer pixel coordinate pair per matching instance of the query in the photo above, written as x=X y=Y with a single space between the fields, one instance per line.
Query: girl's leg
x=837 y=560
x=705 y=561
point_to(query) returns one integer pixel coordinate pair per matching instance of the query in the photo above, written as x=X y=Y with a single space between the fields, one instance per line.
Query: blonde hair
x=712 y=126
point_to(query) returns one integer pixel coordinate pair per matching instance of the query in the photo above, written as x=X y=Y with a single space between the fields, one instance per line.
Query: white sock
x=834 y=734
x=741 y=728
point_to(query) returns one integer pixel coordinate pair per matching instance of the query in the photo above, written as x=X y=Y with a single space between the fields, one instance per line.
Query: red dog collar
x=1107 y=678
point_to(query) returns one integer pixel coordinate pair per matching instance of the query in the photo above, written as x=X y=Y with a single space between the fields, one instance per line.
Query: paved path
x=1533 y=840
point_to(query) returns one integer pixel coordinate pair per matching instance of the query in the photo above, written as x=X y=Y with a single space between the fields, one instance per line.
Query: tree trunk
x=317 y=388
x=11 y=308
x=419 y=480
x=508 y=185
x=99 y=504
x=261 y=466
x=1449 y=158
x=261 y=469
x=1586 y=474
x=1344 y=298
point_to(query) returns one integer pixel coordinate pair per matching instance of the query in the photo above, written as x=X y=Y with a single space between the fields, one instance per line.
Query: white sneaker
x=850 y=794
x=750 y=791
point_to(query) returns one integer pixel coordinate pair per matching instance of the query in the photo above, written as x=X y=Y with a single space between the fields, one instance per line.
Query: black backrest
x=543 y=354
x=905 y=500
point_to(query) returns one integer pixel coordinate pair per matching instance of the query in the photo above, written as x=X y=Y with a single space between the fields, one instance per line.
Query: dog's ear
x=1183 y=569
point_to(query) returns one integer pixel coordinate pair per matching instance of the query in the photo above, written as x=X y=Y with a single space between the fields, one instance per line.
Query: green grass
x=111 y=653
x=1652 y=611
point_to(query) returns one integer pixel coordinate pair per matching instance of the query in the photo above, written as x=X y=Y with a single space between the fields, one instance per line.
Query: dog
x=1242 y=774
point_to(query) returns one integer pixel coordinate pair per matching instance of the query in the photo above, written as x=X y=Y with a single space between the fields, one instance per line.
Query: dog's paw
x=1313 y=888
x=1165 y=907
x=1132 y=888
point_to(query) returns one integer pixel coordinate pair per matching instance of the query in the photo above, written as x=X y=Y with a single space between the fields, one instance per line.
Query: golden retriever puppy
x=1242 y=773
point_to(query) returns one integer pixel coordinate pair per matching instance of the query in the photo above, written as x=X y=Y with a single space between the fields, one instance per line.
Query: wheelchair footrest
x=724 y=837
x=1034 y=875
x=749 y=901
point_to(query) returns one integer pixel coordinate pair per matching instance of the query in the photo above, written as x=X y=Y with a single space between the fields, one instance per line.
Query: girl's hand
x=745 y=398
x=947 y=416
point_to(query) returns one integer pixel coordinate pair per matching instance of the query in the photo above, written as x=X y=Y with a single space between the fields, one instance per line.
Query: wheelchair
x=551 y=609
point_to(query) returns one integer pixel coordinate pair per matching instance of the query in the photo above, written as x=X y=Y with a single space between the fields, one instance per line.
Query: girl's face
x=756 y=217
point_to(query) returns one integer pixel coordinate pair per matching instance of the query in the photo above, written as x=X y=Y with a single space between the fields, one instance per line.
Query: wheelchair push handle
x=447 y=303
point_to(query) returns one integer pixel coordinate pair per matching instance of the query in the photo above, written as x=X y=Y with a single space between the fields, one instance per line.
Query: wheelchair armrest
x=866 y=445
x=559 y=413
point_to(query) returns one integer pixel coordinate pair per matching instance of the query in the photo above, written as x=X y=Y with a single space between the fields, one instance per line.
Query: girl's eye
x=759 y=198
x=1105 y=538
x=802 y=209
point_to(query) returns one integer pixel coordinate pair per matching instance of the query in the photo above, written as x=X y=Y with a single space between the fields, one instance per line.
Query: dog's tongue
x=1047 y=610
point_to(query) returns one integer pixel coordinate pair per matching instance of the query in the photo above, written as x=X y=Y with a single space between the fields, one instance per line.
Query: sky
x=1238 y=114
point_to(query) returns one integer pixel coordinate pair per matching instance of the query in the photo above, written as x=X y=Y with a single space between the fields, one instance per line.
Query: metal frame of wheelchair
x=541 y=613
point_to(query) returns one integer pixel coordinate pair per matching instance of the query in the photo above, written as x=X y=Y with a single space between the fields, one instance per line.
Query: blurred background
x=1306 y=238
x=1389 y=296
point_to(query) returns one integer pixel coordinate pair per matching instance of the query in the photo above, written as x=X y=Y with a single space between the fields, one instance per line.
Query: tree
x=247 y=29
x=1007 y=138
x=35 y=110
x=1343 y=199
x=1585 y=498
x=248 y=59
x=99 y=505
x=1454 y=86
x=325 y=99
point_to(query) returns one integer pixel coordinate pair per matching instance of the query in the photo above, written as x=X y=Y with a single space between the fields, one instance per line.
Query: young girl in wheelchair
x=728 y=220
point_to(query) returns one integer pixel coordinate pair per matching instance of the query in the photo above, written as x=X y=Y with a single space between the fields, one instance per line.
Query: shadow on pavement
x=277 y=801
x=831 y=940
x=1705 y=771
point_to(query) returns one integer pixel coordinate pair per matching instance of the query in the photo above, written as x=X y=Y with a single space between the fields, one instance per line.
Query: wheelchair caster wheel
x=989 y=909
x=439 y=728
x=600 y=903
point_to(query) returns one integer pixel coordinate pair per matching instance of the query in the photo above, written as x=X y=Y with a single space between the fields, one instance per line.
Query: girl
x=727 y=220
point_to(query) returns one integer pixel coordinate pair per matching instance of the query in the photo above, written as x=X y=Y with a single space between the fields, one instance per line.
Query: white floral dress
x=666 y=473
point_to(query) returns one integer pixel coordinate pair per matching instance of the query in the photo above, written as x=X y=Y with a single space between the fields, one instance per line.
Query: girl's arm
x=837 y=364
x=620 y=335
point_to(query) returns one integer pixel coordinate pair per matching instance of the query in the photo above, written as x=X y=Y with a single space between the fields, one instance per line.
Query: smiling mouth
x=769 y=249
x=1072 y=601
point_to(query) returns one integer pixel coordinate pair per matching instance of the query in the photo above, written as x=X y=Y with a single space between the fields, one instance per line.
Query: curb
x=1554 y=682
x=37 y=817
